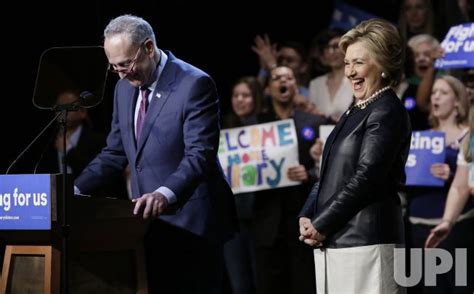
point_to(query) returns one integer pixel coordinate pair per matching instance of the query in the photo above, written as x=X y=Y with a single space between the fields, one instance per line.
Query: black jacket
x=88 y=146
x=356 y=201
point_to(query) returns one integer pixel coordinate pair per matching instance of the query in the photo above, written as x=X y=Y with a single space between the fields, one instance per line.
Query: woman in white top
x=331 y=93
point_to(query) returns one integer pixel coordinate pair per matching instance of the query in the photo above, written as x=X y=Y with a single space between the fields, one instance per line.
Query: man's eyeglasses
x=126 y=67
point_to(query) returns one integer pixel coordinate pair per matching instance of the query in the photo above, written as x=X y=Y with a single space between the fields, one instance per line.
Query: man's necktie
x=141 y=112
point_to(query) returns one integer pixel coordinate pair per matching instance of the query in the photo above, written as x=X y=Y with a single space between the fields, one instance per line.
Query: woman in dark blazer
x=353 y=213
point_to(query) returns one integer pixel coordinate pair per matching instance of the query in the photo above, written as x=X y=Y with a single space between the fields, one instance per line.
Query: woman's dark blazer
x=356 y=201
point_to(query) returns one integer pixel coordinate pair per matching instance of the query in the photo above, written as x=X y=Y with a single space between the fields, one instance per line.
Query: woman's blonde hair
x=384 y=42
x=461 y=97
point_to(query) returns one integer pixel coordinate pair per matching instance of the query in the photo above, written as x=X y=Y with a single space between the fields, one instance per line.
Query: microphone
x=283 y=89
x=86 y=96
x=32 y=142
x=86 y=99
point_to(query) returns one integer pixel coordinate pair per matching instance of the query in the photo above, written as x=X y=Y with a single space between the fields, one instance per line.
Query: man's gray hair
x=136 y=28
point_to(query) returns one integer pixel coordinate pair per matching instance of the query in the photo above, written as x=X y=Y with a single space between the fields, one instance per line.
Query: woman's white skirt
x=364 y=269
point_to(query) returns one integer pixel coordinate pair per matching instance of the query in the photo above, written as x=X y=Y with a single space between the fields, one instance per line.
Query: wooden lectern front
x=105 y=250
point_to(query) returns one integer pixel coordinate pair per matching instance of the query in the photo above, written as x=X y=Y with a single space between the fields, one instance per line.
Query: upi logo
x=436 y=261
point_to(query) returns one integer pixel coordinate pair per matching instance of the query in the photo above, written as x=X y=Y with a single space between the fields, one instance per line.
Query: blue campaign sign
x=427 y=147
x=458 y=47
x=25 y=202
x=346 y=16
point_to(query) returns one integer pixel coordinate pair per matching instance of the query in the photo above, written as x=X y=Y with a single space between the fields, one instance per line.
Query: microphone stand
x=64 y=109
x=55 y=118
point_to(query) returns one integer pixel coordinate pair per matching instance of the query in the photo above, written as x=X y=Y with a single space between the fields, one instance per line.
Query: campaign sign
x=427 y=147
x=25 y=202
x=257 y=157
x=458 y=47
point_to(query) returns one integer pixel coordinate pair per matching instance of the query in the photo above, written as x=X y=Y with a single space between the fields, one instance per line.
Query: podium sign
x=25 y=202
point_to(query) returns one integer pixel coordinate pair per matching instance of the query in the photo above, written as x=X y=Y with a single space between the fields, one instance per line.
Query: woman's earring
x=384 y=75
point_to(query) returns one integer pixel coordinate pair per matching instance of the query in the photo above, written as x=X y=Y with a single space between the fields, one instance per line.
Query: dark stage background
x=213 y=36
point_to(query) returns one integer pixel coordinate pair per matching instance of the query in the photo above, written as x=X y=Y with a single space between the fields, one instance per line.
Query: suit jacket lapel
x=130 y=122
x=163 y=89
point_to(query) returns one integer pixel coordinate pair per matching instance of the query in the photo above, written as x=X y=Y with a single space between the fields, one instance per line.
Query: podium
x=106 y=252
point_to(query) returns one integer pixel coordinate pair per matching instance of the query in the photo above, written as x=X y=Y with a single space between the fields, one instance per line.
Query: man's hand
x=308 y=234
x=153 y=204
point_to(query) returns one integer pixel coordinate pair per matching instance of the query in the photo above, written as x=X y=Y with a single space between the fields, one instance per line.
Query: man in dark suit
x=172 y=152
x=83 y=143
